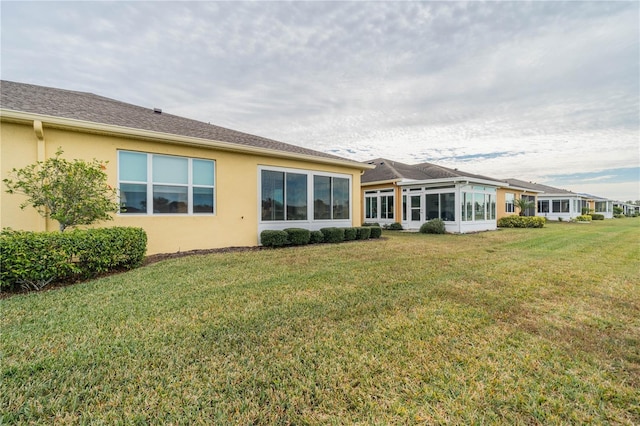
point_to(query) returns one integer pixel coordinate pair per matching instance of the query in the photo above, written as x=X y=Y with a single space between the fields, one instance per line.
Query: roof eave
x=130 y=132
x=458 y=179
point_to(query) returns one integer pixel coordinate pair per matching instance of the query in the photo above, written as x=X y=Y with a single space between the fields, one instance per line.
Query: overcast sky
x=547 y=92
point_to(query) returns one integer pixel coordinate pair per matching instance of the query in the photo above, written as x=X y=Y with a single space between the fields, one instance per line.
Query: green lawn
x=535 y=326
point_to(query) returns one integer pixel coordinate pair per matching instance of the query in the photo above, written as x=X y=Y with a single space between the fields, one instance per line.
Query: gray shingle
x=393 y=170
x=98 y=109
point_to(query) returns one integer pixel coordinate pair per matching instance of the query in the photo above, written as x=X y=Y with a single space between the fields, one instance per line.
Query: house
x=188 y=184
x=414 y=194
x=560 y=204
x=507 y=196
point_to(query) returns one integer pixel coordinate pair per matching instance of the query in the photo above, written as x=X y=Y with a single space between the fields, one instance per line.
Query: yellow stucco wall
x=236 y=187
x=501 y=200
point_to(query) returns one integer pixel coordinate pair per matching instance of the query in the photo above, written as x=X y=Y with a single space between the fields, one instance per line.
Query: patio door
x=415 y=215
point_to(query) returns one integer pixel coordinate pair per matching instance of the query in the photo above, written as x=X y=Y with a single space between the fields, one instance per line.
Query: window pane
x=170 y=169
x=387 y=207
x=404 y=207
x=202 y=200
x=296 y=196
x=479 y=206
x=415 y=207
x=340 y=198
x=371 y=205
x=133 y=198
x=202 y=172
x=321 y=197
x=432 y=208
x=272 y=195
x=133 y=166
x=448 y=206
x=490 y=203
x=169 y=199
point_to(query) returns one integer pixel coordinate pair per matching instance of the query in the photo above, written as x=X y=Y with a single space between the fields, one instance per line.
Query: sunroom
x=465 y=205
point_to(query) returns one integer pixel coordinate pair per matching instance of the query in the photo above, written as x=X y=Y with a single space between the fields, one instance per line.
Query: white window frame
x=310 y=221
x=149 y=183
x=376 y=196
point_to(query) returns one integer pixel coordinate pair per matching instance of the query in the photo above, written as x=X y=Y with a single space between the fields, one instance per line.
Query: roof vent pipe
x=157 y=110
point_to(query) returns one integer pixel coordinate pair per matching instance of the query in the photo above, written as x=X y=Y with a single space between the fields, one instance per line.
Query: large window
x=289 y=195
x=509 y=206
x=162 y=184
x=284 y=195
x=478 y=205
x=441 y=206
x=379 y=204
x=603 y=206
x=560 y=206
x=543 y=206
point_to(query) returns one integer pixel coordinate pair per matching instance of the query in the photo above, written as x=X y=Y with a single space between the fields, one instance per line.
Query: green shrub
x=434 y=226
x=583 y=218
x=364 y=232
x=395 y=226
x=376 y=232
x=620 y=216
x=596 y=216
x=369 y=224
x=34 y=259
x=515 y=221
x=273 y=238
x=298 y=236
x=333 y=235
x=316 y=237
x=350 y=234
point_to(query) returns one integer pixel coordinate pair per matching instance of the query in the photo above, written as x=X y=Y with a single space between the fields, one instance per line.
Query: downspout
x=41 y=152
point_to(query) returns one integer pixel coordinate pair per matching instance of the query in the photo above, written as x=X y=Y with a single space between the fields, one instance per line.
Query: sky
x=544 y=91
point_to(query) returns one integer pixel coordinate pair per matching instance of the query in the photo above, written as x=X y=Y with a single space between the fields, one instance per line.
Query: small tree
x=69 y=192
x=523 y=205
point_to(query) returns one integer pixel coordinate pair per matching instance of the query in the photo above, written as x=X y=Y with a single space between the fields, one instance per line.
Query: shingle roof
x=393 y=170
x=98 y=109
x=538 y=187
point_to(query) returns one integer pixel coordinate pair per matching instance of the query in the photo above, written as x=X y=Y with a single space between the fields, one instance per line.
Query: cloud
x=508 y=89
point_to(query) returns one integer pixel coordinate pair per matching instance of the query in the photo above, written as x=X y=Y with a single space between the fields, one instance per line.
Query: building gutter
x=149 y=135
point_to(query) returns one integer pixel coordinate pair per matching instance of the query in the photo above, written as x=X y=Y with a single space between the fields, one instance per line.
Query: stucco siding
x=235 y=222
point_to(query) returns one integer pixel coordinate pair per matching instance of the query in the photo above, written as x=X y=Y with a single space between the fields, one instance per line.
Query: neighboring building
x=599 y=205
x=189 y=184
x=414 y=194
x=627 y=209
x=560 y=204
x=509 y=194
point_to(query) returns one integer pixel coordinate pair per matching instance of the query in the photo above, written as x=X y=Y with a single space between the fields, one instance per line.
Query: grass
x=535 y=326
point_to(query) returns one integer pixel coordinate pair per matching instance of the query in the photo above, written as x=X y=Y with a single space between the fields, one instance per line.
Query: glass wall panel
x=296 y=199
x=340 y=198
x=321 y=197
x=272 y=195
x=432 y=206
x=387 y=206
x=170 y=199
x=448 y=206
x=479 y=207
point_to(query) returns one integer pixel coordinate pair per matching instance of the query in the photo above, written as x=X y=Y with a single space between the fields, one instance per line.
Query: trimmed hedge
x=433 y=226
x=596 y=216
x=333 y=235
x=34 y=259
x=298 y=236
x=395 y=226
x=515 y=221
x=350 y=234
x=317 y=237
x=583 y=218
x=363 y=232
x=272 y=238
x=376 y=232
